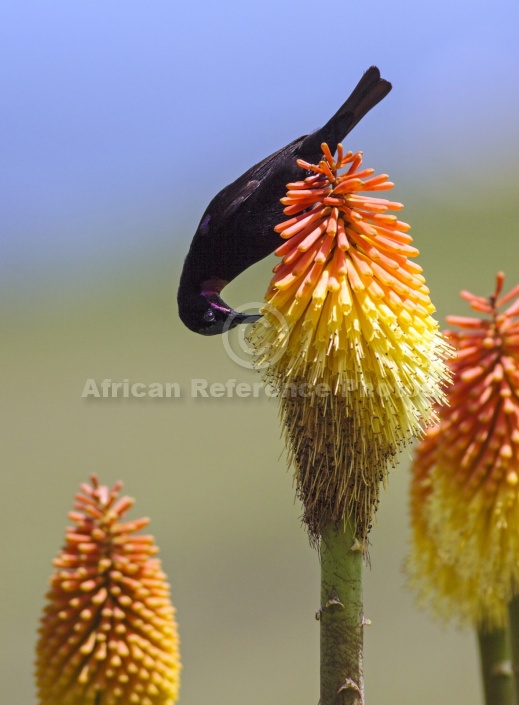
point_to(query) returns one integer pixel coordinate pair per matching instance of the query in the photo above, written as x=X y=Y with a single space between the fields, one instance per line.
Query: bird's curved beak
x=243 y=318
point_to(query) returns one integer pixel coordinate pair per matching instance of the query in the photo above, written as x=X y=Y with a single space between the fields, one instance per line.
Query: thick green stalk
x=496 y=667
x=513 y=611
x=341 y=616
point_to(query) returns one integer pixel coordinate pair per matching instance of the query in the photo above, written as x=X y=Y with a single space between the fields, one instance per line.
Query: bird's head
x=205 y=312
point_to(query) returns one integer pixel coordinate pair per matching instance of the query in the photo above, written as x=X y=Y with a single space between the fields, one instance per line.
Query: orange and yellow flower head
x=347 y=338
x=465 y=548
x=108 y=634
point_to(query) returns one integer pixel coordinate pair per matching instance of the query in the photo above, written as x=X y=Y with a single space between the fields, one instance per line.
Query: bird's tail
x=368 y=92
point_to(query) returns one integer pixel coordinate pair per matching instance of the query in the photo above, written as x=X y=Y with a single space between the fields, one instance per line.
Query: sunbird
x=237 y=227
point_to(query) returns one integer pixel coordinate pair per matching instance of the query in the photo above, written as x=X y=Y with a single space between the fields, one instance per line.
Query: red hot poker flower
x=472 y=507
x=357 y=333
x=108 y=635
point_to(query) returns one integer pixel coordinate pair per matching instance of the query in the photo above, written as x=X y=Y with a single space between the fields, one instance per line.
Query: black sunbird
x=237 y=228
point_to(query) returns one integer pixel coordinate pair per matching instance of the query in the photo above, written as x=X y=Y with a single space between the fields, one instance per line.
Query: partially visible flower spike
x=359 y=338
x=108 y=635
x=470 y=517
x=432 y=571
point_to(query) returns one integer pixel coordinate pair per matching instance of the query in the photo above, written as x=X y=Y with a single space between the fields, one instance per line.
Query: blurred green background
x=124 y=120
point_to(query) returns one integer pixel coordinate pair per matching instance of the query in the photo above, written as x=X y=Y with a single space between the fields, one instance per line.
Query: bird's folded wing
x=240 y=197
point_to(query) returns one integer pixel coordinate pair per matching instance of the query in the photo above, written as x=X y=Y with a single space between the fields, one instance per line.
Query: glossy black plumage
x=237 y=228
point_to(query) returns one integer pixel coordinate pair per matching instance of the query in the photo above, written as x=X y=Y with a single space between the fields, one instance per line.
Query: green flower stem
x=496 y=667
x=513 y=611
x=341 y=616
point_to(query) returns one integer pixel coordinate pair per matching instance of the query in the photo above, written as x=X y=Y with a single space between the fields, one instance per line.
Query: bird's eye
x=209 y=316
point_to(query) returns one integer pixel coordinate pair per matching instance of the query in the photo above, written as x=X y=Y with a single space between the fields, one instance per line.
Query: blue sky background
x=122 y=119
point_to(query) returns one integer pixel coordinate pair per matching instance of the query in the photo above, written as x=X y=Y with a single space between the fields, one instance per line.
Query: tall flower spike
x=108 y=634
x=358 y=338
x=471 y=515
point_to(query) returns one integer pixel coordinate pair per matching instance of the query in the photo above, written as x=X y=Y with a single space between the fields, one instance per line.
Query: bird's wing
x=240 y=197
x=230 y=198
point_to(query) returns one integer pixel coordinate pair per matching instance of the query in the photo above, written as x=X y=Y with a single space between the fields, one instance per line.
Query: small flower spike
x=108 y=634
